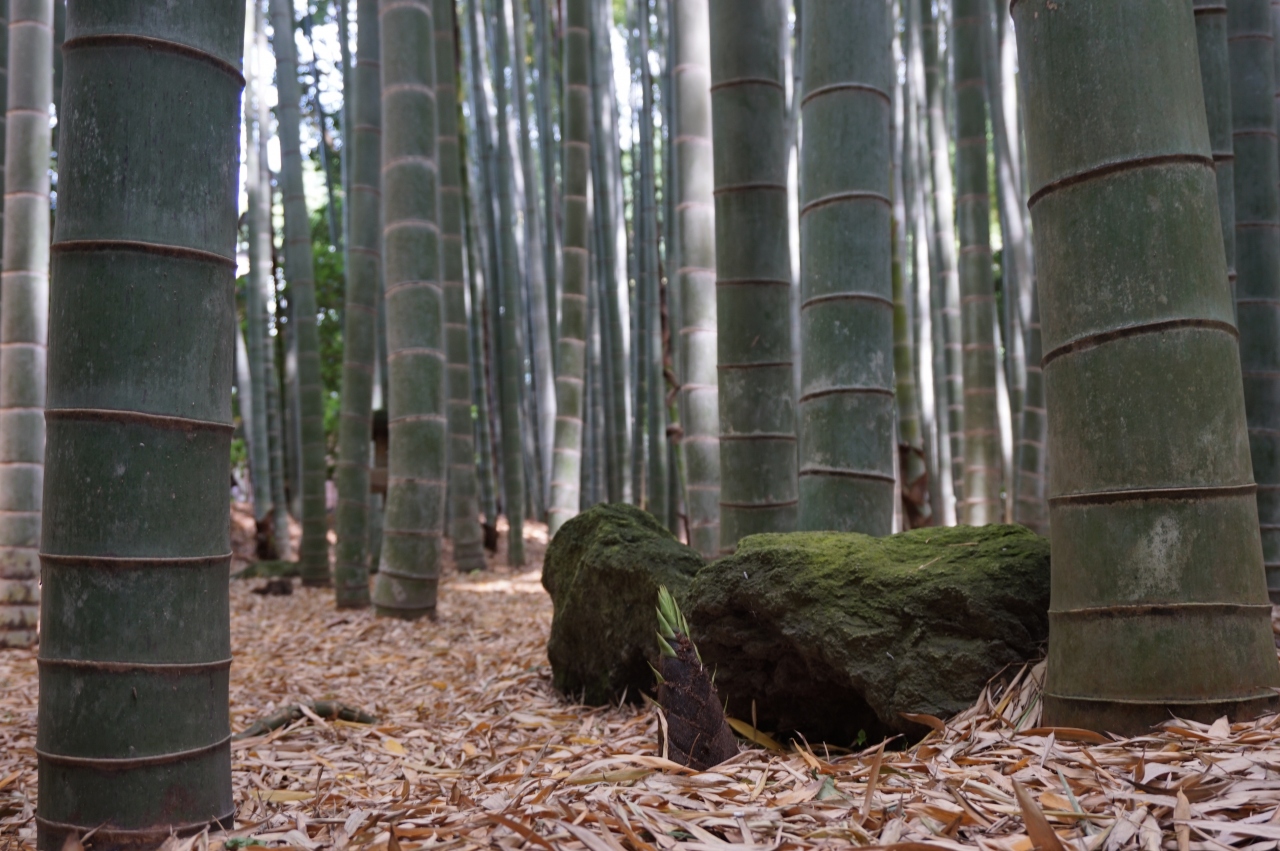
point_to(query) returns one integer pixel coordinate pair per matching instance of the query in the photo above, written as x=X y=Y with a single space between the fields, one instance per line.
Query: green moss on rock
x=602 y=570
x=832 y=633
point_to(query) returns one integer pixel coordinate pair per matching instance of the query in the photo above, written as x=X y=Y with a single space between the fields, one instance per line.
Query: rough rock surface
x=832 y=634
x=602 y=570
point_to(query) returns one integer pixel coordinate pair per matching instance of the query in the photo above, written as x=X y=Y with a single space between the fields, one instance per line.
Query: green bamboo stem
x=607 y=185
x=922 y=286
x=696 y=273
x=656 y=412
x=1250 y=49
x=412 y=535
x=342 y=12
x=1156 y=564
x=571 y=340
x=549 y=155
x=275 y=438
x=1030 y=508
x=479 y=394
x=359 y=316
x=1215 y=79
x=535 y=277
x=511 y=367
x=300 y=272
x=983 y=472
x=464 y=521
x=847 y=342
x=259 y=244
x=24 y=303
x=947 y=313
x=758 y=490
x=135 y=550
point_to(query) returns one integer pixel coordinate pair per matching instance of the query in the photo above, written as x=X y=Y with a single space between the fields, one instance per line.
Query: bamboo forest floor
x=473 y=748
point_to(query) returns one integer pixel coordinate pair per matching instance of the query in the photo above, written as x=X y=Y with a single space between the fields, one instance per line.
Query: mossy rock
x=833 y=634
x=602 y=570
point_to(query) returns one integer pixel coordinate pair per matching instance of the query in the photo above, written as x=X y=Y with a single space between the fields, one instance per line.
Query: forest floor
x=473 y=748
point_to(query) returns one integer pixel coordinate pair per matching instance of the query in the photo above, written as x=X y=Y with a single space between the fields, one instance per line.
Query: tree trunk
x=135 y=550
x=359 y=317
x=982 y=453
x=464 y=521
x=571 y=340
x=1156 y=564
x=1257 y=208
x=847 y=319
x=947 y=316
x=299 y=270
x=753 y=265
x=412 y=535
x=25 y=307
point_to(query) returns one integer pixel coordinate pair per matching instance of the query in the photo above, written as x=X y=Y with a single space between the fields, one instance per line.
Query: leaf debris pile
x=473 y=748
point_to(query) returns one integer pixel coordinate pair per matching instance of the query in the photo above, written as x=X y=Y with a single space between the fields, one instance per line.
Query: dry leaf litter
x=473 y=748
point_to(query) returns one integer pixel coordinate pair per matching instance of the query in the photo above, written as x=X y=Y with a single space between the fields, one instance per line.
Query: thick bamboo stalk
x=1250 y=48
x=571 y=340
x=846 y=404
x=1156 y=564
x=413 y=531
x=24 y=303
x=135 y=550
x=464 y=521
x=983 y=468
x=1215 y=79
x=299 y=270
x=359 y=315
x=753 y=266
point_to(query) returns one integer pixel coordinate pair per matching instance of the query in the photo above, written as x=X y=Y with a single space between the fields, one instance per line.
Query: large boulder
x=602 y=570
x=834 y=634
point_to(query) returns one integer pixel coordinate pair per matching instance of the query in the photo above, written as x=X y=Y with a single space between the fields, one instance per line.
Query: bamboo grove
x=755 y=266
x=707 y=258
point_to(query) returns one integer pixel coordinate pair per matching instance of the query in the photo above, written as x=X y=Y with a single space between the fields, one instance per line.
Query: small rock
x=834 y=634
x=603 y=570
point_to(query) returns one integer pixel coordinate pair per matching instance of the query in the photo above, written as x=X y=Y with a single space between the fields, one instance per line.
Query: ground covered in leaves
x=473 y=748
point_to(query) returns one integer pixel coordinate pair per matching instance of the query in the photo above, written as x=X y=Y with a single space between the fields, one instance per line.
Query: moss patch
x=603 y=570
x=831 y=633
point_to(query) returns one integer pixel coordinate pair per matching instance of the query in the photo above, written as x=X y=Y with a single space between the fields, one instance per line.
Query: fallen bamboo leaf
x=1033 y=817
x=931 y=721
x=280 y=796
x=751 y=734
